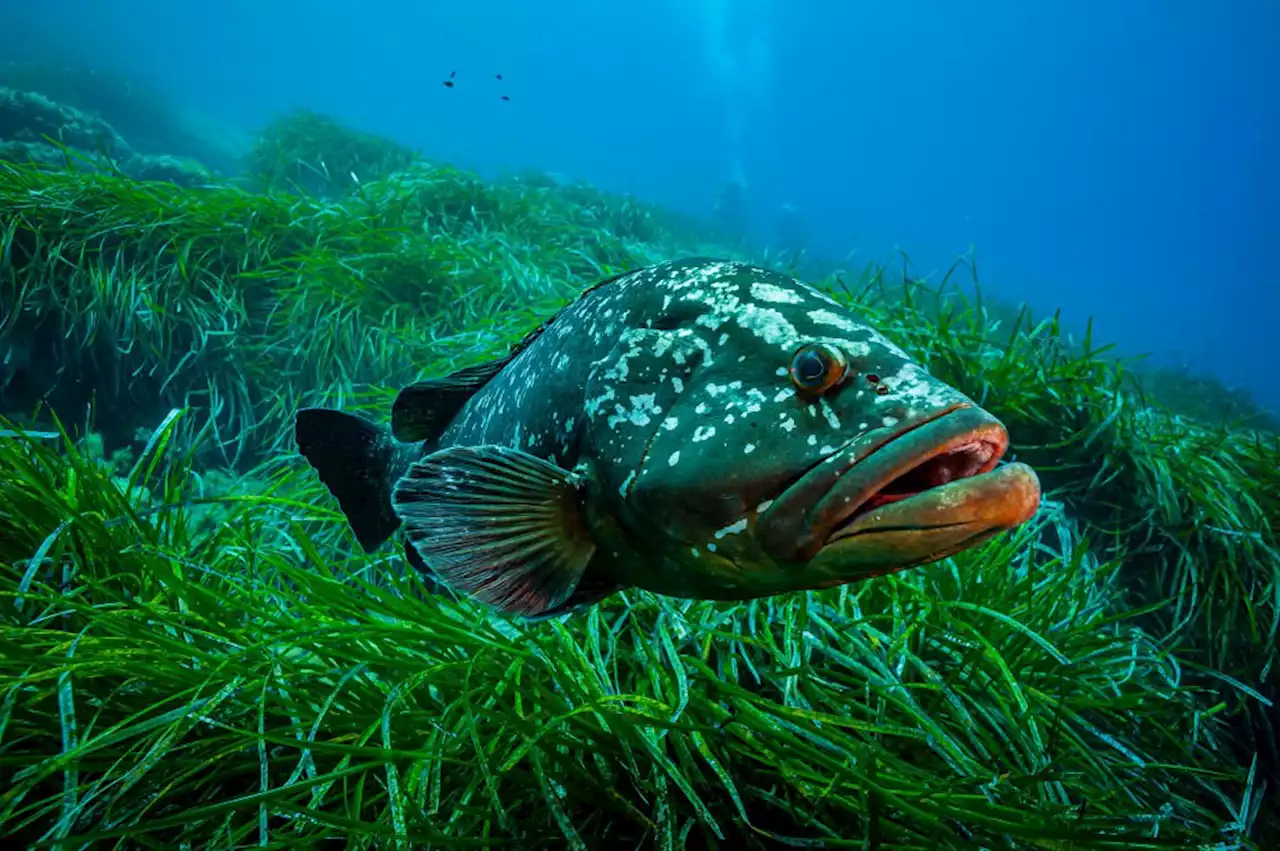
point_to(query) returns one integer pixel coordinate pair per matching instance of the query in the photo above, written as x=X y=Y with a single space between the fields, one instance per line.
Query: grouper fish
x=697 y=428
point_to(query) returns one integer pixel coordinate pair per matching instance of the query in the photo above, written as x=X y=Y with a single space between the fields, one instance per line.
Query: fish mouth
x=911 y=494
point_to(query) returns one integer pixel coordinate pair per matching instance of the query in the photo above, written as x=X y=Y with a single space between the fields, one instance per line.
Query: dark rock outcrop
x=34 y=128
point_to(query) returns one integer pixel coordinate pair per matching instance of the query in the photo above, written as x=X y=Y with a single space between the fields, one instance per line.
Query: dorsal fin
x=423 y=410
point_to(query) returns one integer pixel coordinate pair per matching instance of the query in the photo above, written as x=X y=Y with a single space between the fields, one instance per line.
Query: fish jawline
x=976 y=505
x=899 y=535
x=962 y=443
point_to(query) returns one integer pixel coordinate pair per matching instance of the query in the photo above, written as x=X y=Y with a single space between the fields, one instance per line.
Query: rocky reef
x=35 y=129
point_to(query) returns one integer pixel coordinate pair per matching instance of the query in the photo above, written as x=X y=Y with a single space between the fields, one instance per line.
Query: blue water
x=1114 y=159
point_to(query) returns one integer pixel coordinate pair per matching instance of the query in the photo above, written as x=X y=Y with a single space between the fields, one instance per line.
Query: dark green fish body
x=697 y=428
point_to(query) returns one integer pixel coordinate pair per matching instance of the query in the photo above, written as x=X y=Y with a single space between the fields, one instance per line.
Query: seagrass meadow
x=195 y=654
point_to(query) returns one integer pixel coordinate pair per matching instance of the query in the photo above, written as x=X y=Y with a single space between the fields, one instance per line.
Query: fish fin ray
x=591 y=590
x=430 y=581
x=497 y=524
x=354 y=458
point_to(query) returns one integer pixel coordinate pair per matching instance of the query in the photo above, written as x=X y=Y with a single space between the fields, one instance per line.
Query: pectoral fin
x=497 y=524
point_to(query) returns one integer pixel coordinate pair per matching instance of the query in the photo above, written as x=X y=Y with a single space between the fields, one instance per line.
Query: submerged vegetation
x=193 y=653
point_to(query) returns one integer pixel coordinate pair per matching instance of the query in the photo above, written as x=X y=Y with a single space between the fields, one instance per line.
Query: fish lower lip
x=1000 y=498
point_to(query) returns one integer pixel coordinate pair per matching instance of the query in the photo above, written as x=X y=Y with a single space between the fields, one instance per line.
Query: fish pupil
x=811 y=367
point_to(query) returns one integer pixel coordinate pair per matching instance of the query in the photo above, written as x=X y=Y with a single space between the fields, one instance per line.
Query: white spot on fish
x=832 y=419
x=701 y=433
x=769 y=325
x=643 y=406
x=748 y=449
x=774 y=293
x=674 y=459
x=914 y=386
x=670 y=423
x=784 y=394
x=711 y=321
x=835 y=320
x=593 y=405
x=732 y=529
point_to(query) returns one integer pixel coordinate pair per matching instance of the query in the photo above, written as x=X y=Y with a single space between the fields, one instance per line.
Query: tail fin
x=358 y=462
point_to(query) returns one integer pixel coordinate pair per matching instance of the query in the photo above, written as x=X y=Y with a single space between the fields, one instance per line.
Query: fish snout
x=895 y=498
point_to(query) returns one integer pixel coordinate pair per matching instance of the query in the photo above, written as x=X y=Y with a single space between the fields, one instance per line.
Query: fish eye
x=816 y=368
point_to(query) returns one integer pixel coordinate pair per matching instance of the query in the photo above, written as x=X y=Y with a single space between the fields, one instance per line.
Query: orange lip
x=879 y=468
x=964 y=442
x=981 y=504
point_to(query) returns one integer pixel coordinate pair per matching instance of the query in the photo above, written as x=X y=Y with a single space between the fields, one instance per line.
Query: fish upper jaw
x=932 y=473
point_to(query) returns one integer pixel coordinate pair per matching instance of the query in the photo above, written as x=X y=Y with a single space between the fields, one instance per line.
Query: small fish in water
x=699 y=429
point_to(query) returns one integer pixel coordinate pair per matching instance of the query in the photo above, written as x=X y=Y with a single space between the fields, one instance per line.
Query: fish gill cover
x=194 y=652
